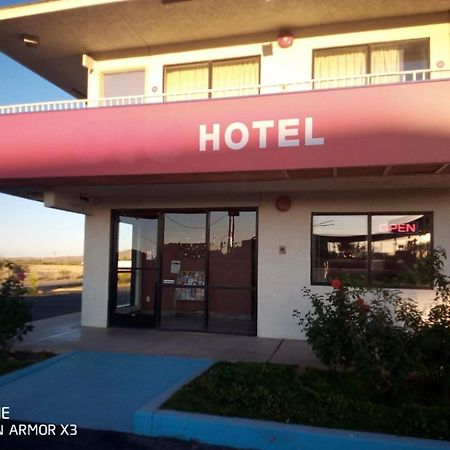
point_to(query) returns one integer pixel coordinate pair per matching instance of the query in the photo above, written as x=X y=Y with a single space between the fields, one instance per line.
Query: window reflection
x=232 y=248
x=400 y=247
x=399 y=252
x=339 y=247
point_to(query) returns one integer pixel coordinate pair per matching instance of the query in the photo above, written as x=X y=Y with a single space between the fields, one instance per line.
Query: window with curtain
x=399 y=57
x=230 y=74
x=340 y=62
x=181 y=82
x=386 y=58
x=122 y=84
x=184 y=81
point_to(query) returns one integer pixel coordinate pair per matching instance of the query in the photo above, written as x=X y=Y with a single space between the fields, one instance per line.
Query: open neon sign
x=399 y=227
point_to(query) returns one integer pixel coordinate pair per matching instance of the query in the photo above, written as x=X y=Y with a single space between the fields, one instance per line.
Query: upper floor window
x=183 y=82
x=124 y=84
x=388 y=250
x=390 y=58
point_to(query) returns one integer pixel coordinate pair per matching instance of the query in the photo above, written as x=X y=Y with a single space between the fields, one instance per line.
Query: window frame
x=210 y=63
x=369 y=46
x=369 y=215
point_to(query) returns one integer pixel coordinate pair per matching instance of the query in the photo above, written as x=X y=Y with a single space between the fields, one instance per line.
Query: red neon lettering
x=403 y=227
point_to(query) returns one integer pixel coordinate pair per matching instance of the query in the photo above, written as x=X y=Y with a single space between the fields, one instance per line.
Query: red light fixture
x=283 y=203
x=285 y=39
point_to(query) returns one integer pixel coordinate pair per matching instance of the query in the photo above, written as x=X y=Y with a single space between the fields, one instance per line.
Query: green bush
x=14 y=312
x=380 y=333
x=355 y=327
x=433 y=336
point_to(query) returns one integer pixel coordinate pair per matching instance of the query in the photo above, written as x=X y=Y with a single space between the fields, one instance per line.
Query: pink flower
x=363 y=306
x=20 y=276
x=336 y=283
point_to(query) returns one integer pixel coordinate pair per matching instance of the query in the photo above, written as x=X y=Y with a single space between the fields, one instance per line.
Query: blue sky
x=27 y=228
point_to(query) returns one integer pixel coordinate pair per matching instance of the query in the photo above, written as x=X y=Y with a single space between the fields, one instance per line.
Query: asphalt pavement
x=54 y=304
x=93 y=439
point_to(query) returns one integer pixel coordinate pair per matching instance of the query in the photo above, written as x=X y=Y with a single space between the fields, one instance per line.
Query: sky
x=27 y=228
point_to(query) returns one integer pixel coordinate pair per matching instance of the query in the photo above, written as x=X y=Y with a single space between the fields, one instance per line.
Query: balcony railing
x=260 y=89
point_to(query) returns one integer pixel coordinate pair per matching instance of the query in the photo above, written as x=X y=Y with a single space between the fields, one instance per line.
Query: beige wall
x=289 y=65
x=94 y=303
x=280 y=277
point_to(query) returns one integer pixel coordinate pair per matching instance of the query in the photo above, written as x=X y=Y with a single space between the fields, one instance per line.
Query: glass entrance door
x=183 y=265
x=185 y=270
x=137 y=266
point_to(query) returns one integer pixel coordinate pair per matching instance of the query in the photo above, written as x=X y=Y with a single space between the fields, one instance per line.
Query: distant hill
x=51 y=260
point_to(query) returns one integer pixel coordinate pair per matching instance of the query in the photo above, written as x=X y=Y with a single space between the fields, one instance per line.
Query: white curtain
x=186 y=79
x=341 y=62
x=387 y=60
x=228 y=74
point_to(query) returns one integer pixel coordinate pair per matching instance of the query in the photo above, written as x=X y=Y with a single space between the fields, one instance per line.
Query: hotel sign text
x=237 y=135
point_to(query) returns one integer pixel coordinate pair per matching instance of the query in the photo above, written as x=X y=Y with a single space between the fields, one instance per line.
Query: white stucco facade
x=280 y=277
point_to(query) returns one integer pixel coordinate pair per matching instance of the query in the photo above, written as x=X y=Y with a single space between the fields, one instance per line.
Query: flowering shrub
x=347 y=331
x=380 y=333
x=14 y=312
x=433 y=335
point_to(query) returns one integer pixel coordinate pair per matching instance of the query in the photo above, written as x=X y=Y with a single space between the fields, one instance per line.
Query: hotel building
x=227 y=153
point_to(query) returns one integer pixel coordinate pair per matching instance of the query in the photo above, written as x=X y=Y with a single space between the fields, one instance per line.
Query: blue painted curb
x=265 y=435
x=143 y=418
x=28 y=370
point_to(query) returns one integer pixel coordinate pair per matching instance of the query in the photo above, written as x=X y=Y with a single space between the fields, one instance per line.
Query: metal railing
x=259 y=89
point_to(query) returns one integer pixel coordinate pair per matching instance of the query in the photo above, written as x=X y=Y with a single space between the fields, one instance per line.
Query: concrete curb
x=265 y=435
x=28 y=370
x=259 y=434
x=143 y=418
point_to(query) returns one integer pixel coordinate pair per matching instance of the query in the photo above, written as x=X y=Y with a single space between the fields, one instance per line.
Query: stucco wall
x=280 y=277
x=94 y=303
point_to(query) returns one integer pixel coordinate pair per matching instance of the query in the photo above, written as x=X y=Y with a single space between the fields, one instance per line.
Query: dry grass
x=53 y=272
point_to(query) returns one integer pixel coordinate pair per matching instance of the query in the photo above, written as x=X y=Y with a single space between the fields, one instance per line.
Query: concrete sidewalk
x=95 y=390
x=64 y=333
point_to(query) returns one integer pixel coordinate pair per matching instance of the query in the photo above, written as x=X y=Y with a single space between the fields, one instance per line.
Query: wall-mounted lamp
x=285 y=39
x=29 y=40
